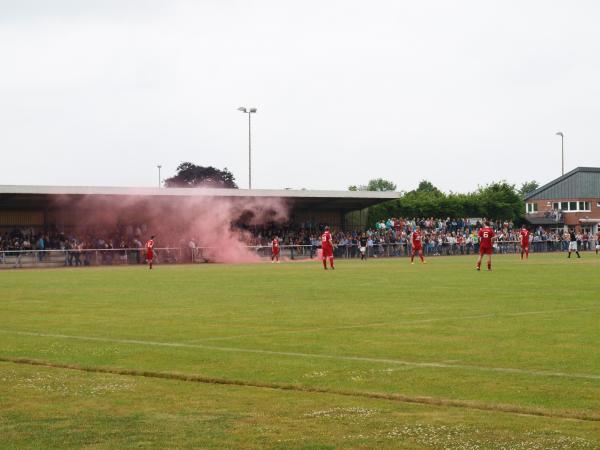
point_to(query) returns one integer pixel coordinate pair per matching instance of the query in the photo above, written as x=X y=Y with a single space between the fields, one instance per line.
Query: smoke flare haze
x=175 y=220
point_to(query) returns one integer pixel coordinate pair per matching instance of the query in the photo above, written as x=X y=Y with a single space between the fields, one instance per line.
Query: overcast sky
x=457 y=92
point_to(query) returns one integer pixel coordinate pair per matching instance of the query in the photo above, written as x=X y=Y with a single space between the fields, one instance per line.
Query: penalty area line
x=420 y=400
x=434 y=365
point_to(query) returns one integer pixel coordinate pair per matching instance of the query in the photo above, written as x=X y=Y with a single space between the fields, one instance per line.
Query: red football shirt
x=150 y=244
x=416 y=238
x=275 y=245
x=525 y=237
x=326 y=240
x=485 y=237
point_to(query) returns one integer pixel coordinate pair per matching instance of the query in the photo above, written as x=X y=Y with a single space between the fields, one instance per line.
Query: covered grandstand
x=61 y=207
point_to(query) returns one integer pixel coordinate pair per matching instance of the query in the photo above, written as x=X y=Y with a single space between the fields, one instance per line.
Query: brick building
x=571 y=200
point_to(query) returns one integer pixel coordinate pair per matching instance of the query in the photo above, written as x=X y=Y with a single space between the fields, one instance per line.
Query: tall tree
x=500 y=201
x=191 y=175
x=376 y=184
x=527 y=187
x=427 y=187
x=496 y=201
x=379 y=184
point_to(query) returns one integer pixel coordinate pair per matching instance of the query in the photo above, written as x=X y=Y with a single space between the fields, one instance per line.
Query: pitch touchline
x=438 y=365
x=383 y=324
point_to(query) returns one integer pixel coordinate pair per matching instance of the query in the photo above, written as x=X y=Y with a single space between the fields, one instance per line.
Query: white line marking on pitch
x=314 y=355
x=400 y=322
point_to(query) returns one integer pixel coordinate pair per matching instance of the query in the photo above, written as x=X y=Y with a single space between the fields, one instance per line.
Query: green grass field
x=372 y=355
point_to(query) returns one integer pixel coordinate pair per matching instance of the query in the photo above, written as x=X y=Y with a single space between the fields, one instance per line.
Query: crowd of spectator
x=440 y=236
x=74 y=247
x=391 y=236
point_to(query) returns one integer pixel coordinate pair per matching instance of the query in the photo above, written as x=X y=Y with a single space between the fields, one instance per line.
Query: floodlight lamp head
x=560 y=133
x=242 y=109
x=253 y=110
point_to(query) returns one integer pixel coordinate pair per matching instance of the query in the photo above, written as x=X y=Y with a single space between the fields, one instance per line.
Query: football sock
x=422 y=259
x=324 y=263
x=331 y=262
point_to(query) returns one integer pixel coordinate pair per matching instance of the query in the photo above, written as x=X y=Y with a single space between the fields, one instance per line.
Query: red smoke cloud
x=174 y=220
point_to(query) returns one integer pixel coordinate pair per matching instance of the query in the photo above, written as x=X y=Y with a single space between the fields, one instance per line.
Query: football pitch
x=376 y=354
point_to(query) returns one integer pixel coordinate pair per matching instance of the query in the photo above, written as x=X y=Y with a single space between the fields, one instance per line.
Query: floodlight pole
x=249 y=150
x=249 y=111
x=159 y=167
x=562 y=149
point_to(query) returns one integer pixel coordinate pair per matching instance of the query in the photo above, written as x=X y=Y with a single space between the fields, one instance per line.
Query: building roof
x=582 y=182
x=34 y=196
x=544 y=220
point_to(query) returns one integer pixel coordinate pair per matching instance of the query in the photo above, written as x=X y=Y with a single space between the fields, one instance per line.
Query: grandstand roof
x=582 y=182
x=34 y=196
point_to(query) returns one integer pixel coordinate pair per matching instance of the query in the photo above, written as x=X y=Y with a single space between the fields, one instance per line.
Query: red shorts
x=327 y=252
x=149 y=255
x=416 y=248
x=524 y=246
x=486 y=250
x=275 y=251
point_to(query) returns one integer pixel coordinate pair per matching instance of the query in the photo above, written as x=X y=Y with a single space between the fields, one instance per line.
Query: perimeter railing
x=86 y=257
x=176 y=255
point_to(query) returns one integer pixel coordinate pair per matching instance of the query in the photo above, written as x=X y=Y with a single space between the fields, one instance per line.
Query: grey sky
x=457 y=92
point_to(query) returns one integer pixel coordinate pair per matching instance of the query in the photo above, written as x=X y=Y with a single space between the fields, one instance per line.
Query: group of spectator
x=386 y=237
x=440 y=236
x=74 y=247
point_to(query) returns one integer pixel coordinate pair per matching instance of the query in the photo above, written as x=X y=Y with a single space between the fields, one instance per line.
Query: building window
x=584 y=206
x=532 y=208
x=573 y=206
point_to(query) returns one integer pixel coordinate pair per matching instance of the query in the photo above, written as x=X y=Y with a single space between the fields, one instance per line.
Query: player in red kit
x=525 y=242
x=327 y=248
x=275 y=250
x=417 y=245
x=486 y=237
x=150 y=251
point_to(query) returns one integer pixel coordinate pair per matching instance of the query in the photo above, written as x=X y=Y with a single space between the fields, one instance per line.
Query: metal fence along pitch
x=178 y=255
